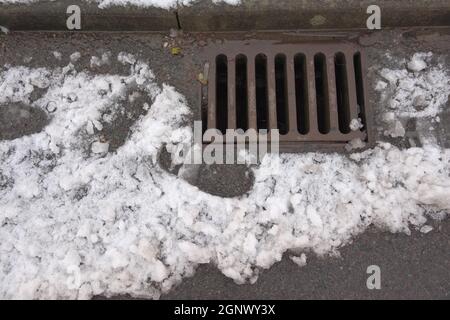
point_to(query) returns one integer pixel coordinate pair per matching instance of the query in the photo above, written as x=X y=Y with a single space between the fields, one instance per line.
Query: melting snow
x=74 y=224
x=300 y=261
x=4 y=29
x=417 y=94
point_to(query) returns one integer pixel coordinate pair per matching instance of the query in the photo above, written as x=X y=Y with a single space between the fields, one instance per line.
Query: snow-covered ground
x=77 y=220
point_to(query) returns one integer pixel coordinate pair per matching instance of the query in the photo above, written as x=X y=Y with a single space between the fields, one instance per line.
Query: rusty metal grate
x=310 y=92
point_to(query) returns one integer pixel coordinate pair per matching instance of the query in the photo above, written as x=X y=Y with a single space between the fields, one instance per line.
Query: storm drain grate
x=310 y=92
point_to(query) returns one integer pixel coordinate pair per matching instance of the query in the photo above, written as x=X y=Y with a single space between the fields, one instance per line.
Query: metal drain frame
x=293 y=140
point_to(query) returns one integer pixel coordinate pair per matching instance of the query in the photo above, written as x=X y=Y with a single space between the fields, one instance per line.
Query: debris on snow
x=411 y=95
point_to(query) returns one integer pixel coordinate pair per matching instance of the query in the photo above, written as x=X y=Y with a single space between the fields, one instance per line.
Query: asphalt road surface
x=412 y=267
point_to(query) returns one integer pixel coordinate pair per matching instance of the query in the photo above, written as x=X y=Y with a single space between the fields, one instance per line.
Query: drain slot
x=323 y=111
x=222 y=93
x=241 y=93
x=342 y=92
x=359 y=87
x=281 y=93
x=309 y=92
x=261 y=92
x=301 y=93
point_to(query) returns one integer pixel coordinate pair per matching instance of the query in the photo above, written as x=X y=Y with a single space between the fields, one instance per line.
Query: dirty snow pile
x=77 y=220
x=165 y=4
x=413 y=92
x=18 y=1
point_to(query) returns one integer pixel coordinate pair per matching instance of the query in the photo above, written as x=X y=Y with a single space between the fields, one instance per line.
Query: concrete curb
x=250 y=15
x=51 y=15
x=311 y=14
